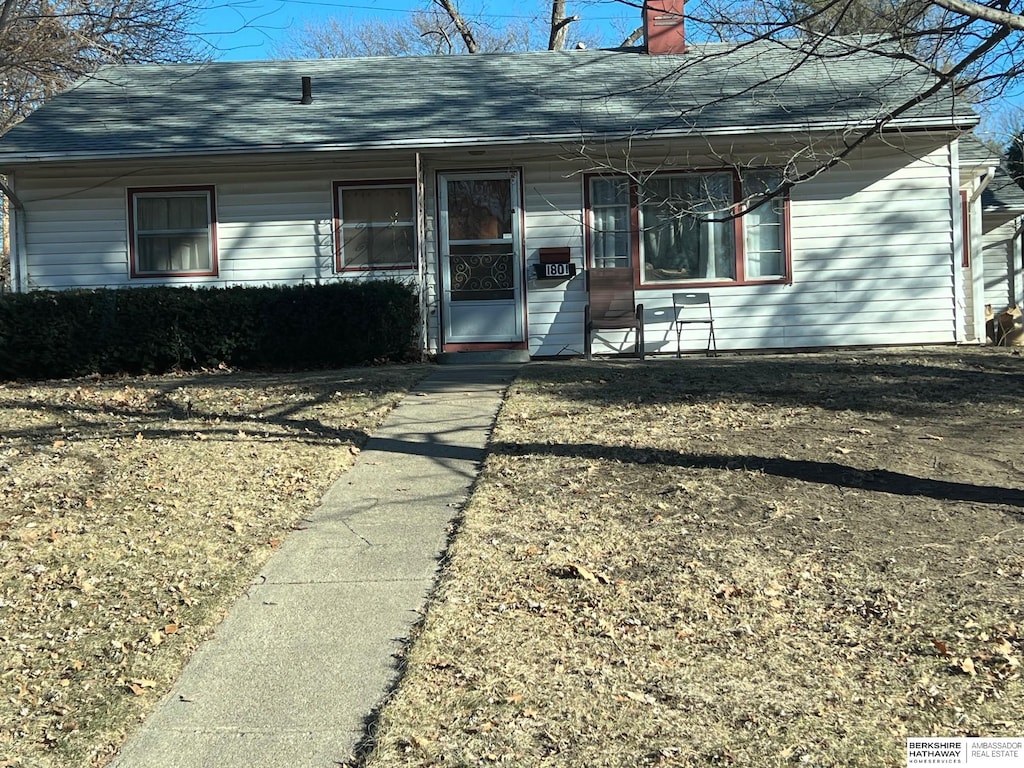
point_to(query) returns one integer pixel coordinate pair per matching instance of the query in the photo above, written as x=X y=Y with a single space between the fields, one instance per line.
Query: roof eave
x=957 y=123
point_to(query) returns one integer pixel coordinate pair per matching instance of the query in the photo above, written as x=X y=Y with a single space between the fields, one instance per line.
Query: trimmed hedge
x=57 y=334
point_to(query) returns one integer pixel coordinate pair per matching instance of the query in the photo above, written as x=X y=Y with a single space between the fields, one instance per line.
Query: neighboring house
x=458 y=173
x=993 y=269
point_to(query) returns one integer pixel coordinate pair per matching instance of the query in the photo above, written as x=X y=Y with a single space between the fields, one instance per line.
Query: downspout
x=975 y=231
x=960 y=320
x=1017 y=269
x=18 y=242
x=421 y=234
x=983 y=185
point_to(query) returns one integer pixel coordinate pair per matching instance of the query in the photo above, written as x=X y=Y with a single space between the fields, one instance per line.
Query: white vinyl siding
x=871 y=243
x=554 y=219
x=274 y=224
x=999 y=252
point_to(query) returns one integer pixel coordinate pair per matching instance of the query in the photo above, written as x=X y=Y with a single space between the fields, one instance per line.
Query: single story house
x=461 y=174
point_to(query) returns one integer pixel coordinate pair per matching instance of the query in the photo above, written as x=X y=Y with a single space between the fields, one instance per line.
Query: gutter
x=437 y=142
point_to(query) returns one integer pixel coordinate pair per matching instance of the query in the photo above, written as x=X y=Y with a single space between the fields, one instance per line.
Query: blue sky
x=248 y=29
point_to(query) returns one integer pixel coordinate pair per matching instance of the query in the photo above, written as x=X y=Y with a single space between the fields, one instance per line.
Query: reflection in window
x=681 y=238
x=173 y=232
x=376 y=227
x=479 y=209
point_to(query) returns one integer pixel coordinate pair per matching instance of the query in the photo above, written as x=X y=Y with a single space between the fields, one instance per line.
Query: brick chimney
x=664 y=30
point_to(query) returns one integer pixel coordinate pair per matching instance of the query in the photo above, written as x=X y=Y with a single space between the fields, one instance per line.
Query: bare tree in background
x=976 y=48
x=441 y=27
x=47 y=44
x=426 y=32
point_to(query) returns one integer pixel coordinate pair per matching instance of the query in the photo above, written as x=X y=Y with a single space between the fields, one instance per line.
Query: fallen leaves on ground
x=671 y=563
x=133 y=511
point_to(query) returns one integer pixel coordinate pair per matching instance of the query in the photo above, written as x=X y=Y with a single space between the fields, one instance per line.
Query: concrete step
x=480 y=358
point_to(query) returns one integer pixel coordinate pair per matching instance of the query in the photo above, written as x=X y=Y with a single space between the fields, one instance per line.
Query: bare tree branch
x=47 y=44
x=460 y=24
x=983 y=13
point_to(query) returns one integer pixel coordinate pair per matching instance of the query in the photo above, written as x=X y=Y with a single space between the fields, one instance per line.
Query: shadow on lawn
x=822 y=472
x=906 y=383
x=166 y=408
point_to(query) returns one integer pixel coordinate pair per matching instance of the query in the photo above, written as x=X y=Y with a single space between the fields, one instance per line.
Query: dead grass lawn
x=132 y=513
x=749 y=561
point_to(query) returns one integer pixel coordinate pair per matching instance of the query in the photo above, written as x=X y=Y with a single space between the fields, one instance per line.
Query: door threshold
x=484 y=356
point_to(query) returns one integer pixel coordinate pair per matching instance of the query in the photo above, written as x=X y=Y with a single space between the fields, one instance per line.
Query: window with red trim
x=173 y=231
x=682 y=228
x=375 y=226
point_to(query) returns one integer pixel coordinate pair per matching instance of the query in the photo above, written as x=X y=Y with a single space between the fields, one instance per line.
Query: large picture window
x=683 y=229
x=172 y=231
x=681 y=238
x=376 y=226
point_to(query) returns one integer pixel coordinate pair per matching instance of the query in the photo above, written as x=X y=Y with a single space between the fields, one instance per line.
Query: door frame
x=514 y=175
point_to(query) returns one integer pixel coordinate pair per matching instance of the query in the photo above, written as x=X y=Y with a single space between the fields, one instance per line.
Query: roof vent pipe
x=307 y=90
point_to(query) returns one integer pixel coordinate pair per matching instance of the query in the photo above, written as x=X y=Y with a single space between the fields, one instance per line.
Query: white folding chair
x=694 y=309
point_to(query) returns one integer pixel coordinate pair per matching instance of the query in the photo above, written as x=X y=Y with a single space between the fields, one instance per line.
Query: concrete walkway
x=291 y=675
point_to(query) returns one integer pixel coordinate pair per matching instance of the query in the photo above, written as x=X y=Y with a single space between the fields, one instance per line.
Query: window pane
x=378 y=245
x=609 y=192
x=611 y=249
x=680 y=239
x=151 y=213
x=188 y=212
x=166 y=213
x=377 y=226
x=764 y=236
x=671 y=244
x=765 y=264
x=375 y=204
x=479 y=209
x=764 y=227
x=173 y=253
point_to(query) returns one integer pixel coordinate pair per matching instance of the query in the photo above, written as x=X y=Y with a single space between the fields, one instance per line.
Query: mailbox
x=554 y=264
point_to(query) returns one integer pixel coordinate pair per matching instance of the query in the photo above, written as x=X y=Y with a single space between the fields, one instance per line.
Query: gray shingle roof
x=1003 y=194
x=228 y=107
x=973 y=151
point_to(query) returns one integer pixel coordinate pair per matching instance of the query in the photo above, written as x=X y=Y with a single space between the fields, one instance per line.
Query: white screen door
x=481 y=270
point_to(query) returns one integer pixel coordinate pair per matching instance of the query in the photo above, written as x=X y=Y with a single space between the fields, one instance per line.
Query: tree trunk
x=460 y=24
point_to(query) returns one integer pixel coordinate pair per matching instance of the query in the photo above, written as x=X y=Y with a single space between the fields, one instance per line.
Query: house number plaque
x=555 y=271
